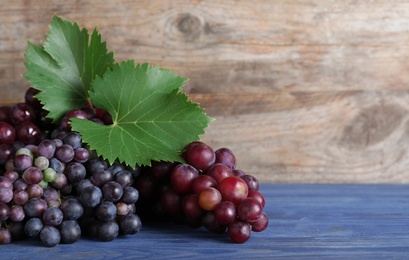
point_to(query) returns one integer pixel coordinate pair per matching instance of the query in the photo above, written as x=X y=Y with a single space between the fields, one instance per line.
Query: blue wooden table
x=307 y=221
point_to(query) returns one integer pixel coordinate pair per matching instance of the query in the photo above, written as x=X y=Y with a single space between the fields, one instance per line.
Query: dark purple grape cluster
x=207 y=191
x=52 y=187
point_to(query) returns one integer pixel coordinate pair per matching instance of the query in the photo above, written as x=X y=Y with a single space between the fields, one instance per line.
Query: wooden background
x=301 y=90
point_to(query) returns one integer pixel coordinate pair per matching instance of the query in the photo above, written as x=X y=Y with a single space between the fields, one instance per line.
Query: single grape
x=162 y=170
x=35 y=207
x=75 y=172
x=30 y=99
x=210 y=223
x=20 y=197
x=225 y=156
x=50 y=194
x=60 y=181
x=22 y=162
x=32 y=175
x=130 y=224
x=7 y=133
x=251 y=181
x=52 y=217
x=5 y=182
x=130 y=195
x=6 y=195
x=261 y=223
x=106 y=211
x=238 y=173
x=57 y=165
x=35 y=191
x=81 y=155
x=182 y=177
x=49 y=175
x=33 y=227
x=170 y=202
x=64 y=153
x=20 y=184
x=6 y=153
x=239 y=231
x=258 y=196
x=91 y=196
x=107 y=230
x=225 y=212
x=41 y=162
x=4 y=211
x=70 y=231
x=50 y=236
x=122 y=209
x=11 y=175
x=123 y=177
x=20 y=113
x=5 y=236
x=191 y=207
x=28 y=133
x=112 y=191
x=249 y=210
x=73 y=139
x=219 y=171
x=200 y=155
x=101 y=177
x=17 y=213
x=233 y=189
x=72 y=209
x=46 y=148
x=209 y=198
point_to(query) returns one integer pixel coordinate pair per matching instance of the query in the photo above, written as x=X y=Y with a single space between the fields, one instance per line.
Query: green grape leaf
x=65 y=66
x=152 y=118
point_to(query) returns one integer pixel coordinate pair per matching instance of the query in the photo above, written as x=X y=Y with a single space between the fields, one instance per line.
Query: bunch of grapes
x=52 y=187
x=55 y=189
x=206 y=191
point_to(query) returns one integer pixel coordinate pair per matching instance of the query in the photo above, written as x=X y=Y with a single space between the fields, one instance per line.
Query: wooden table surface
x=306 y=221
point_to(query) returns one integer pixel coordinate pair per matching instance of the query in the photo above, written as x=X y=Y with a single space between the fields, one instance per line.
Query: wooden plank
x=308 y=221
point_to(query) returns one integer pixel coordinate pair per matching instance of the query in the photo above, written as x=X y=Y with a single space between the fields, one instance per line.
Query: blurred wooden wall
x=301 y=90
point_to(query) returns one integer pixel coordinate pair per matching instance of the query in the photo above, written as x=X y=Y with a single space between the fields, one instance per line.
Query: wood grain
x=302 y=91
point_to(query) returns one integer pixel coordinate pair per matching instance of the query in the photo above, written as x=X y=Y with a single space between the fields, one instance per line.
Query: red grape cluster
x=206 y=191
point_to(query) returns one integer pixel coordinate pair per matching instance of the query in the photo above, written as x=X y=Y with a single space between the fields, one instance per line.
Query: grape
x=101 y=177
x=182 y=177
x=112 y=191
x=209 y=198
x=52 y=217
x=5 y=182
x=123 y=177
x=25 y=150
x=4 y=211
x=7 y=133
x=35 y=207
x=11 y=175
x=46 y=148
x=57 y=165
x=106 y=211
x=81 y=185
x=171 y=202
x=20 y=197
x=191 y=207
x=50 y=194
x=219 y=171
x=130 y=224
x=5 y=236
x=77 y=113
x=239 y=231
x=251 y=181
x=122 y=209
x=96 y=165
x=16 y=213
x=73 y=139
x=260 y=224
x=20 y=184
x=6 y=153
x=60 y=181
x=91 y=196
x=30 y=99
x=49 y=175
x=72 y=209
x=32 y=175
x=64 y=153
x=211 y=224
x=33 y=227
x=200 y=155
x=75 y=172
x=233 y=189
x=20 y=113
x=130 y=195
x=162 y=170
x=70 y=231
x=6 y=195
x=50 y=236
x=28 y=132
x=41 y=162
x=17 y=231
x=226 y=156
x=258 y=196
x=238 y=173
x=249 y=210
x=225 y=212
x=107 y=230
x=35 y=191
x=81 y=155
x=22 y=162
